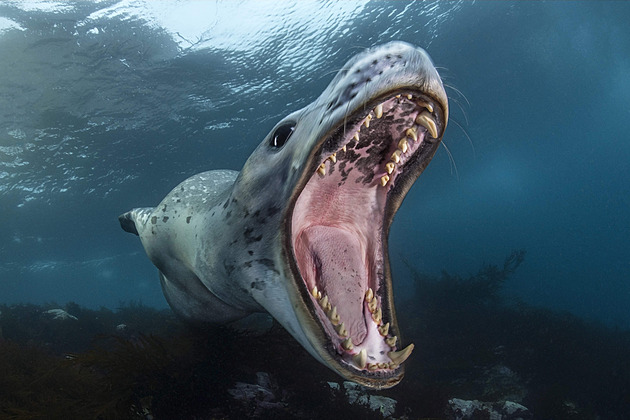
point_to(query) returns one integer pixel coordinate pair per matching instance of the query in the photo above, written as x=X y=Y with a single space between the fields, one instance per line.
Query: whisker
x=451 y=160
x=459 y=92
x=472 y=146
x=459 y=105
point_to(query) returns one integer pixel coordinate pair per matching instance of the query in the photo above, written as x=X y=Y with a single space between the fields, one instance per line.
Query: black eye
x=281 y=135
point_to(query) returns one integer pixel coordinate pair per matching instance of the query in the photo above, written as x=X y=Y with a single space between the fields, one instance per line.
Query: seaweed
x=472 y=342
x=478 y=343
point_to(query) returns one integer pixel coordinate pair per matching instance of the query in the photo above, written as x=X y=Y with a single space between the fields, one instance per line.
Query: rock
x=500 y=383
x=357 y=394
x=262 y=393
x=458 y=409
x=60 y=314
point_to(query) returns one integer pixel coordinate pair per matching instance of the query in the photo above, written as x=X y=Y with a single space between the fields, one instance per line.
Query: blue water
x=106 y=106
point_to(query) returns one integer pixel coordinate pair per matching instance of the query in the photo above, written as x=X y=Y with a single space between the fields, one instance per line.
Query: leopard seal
x=301 y=231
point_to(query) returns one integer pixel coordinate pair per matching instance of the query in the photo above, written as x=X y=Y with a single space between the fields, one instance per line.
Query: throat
x=334 y=260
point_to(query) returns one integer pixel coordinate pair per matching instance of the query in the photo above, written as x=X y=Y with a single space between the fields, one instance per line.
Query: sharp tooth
x=342 y=331
x=412 y=134
x=409 y=96
x=373 y=304
x=322 y=169
x=391 y=341
x=344 y=148
x=377 y=316
x=356 y=136
x=360 y=359
x=425 y=105
x=314 y=292
x=347 y=344
x=390 y=166
x=400 y=356
x=384 y=180
x=324 y=302
x=392 y=366
x=333 y=157
x=403 y=145
x=378 y=111
x=334 y=316
x=396 y=156
x=369 y=294
x=425 y=120
x=398 y=96
x=319 y=295
x=372 y=366
x=366 y=122
x=383 y=329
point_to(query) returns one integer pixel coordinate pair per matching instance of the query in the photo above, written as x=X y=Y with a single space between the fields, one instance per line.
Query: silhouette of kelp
x=474 y=343
x=471 y=342
x=179 y=372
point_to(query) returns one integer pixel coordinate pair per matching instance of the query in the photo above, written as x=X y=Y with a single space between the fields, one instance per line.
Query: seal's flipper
x=131 y=220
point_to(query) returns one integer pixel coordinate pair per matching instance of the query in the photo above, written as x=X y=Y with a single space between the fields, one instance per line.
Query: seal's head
x=343 y=165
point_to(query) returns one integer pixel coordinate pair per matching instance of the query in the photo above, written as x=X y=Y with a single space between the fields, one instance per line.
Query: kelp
x=472 y=342
x=467 y=329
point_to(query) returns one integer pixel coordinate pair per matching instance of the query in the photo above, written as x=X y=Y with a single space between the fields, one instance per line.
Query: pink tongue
x=341 y=274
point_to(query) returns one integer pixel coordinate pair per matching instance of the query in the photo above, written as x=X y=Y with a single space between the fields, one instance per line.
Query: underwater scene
x=314 y=209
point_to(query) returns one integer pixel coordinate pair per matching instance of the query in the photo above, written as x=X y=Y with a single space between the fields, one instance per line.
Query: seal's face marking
x=301 y=231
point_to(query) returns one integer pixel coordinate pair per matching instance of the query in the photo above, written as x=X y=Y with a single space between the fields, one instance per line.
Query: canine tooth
x=347 y=344
x=314 y=292
x=356 y=136
x=373 y=304
x=333 y=158
x=391 y=341
x=378 y=111
x=425 y=120
x=322 y=169
x=384 y=180
x=342 y=331
x=403 y=145
x=369 y=294
x=360 y=359
x=400 y=356
x=372 y=366
x=383 y=329
x=344 y=148
x=377 y=315
x=412 y=134
x=426 y=105
x=396 y=156
x=334 y=316
x=390 y=166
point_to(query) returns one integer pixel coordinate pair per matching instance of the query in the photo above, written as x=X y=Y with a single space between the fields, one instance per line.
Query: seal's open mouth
x=341 y=219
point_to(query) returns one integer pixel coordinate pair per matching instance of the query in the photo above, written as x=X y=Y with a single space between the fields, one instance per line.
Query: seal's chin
x=339 y=228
